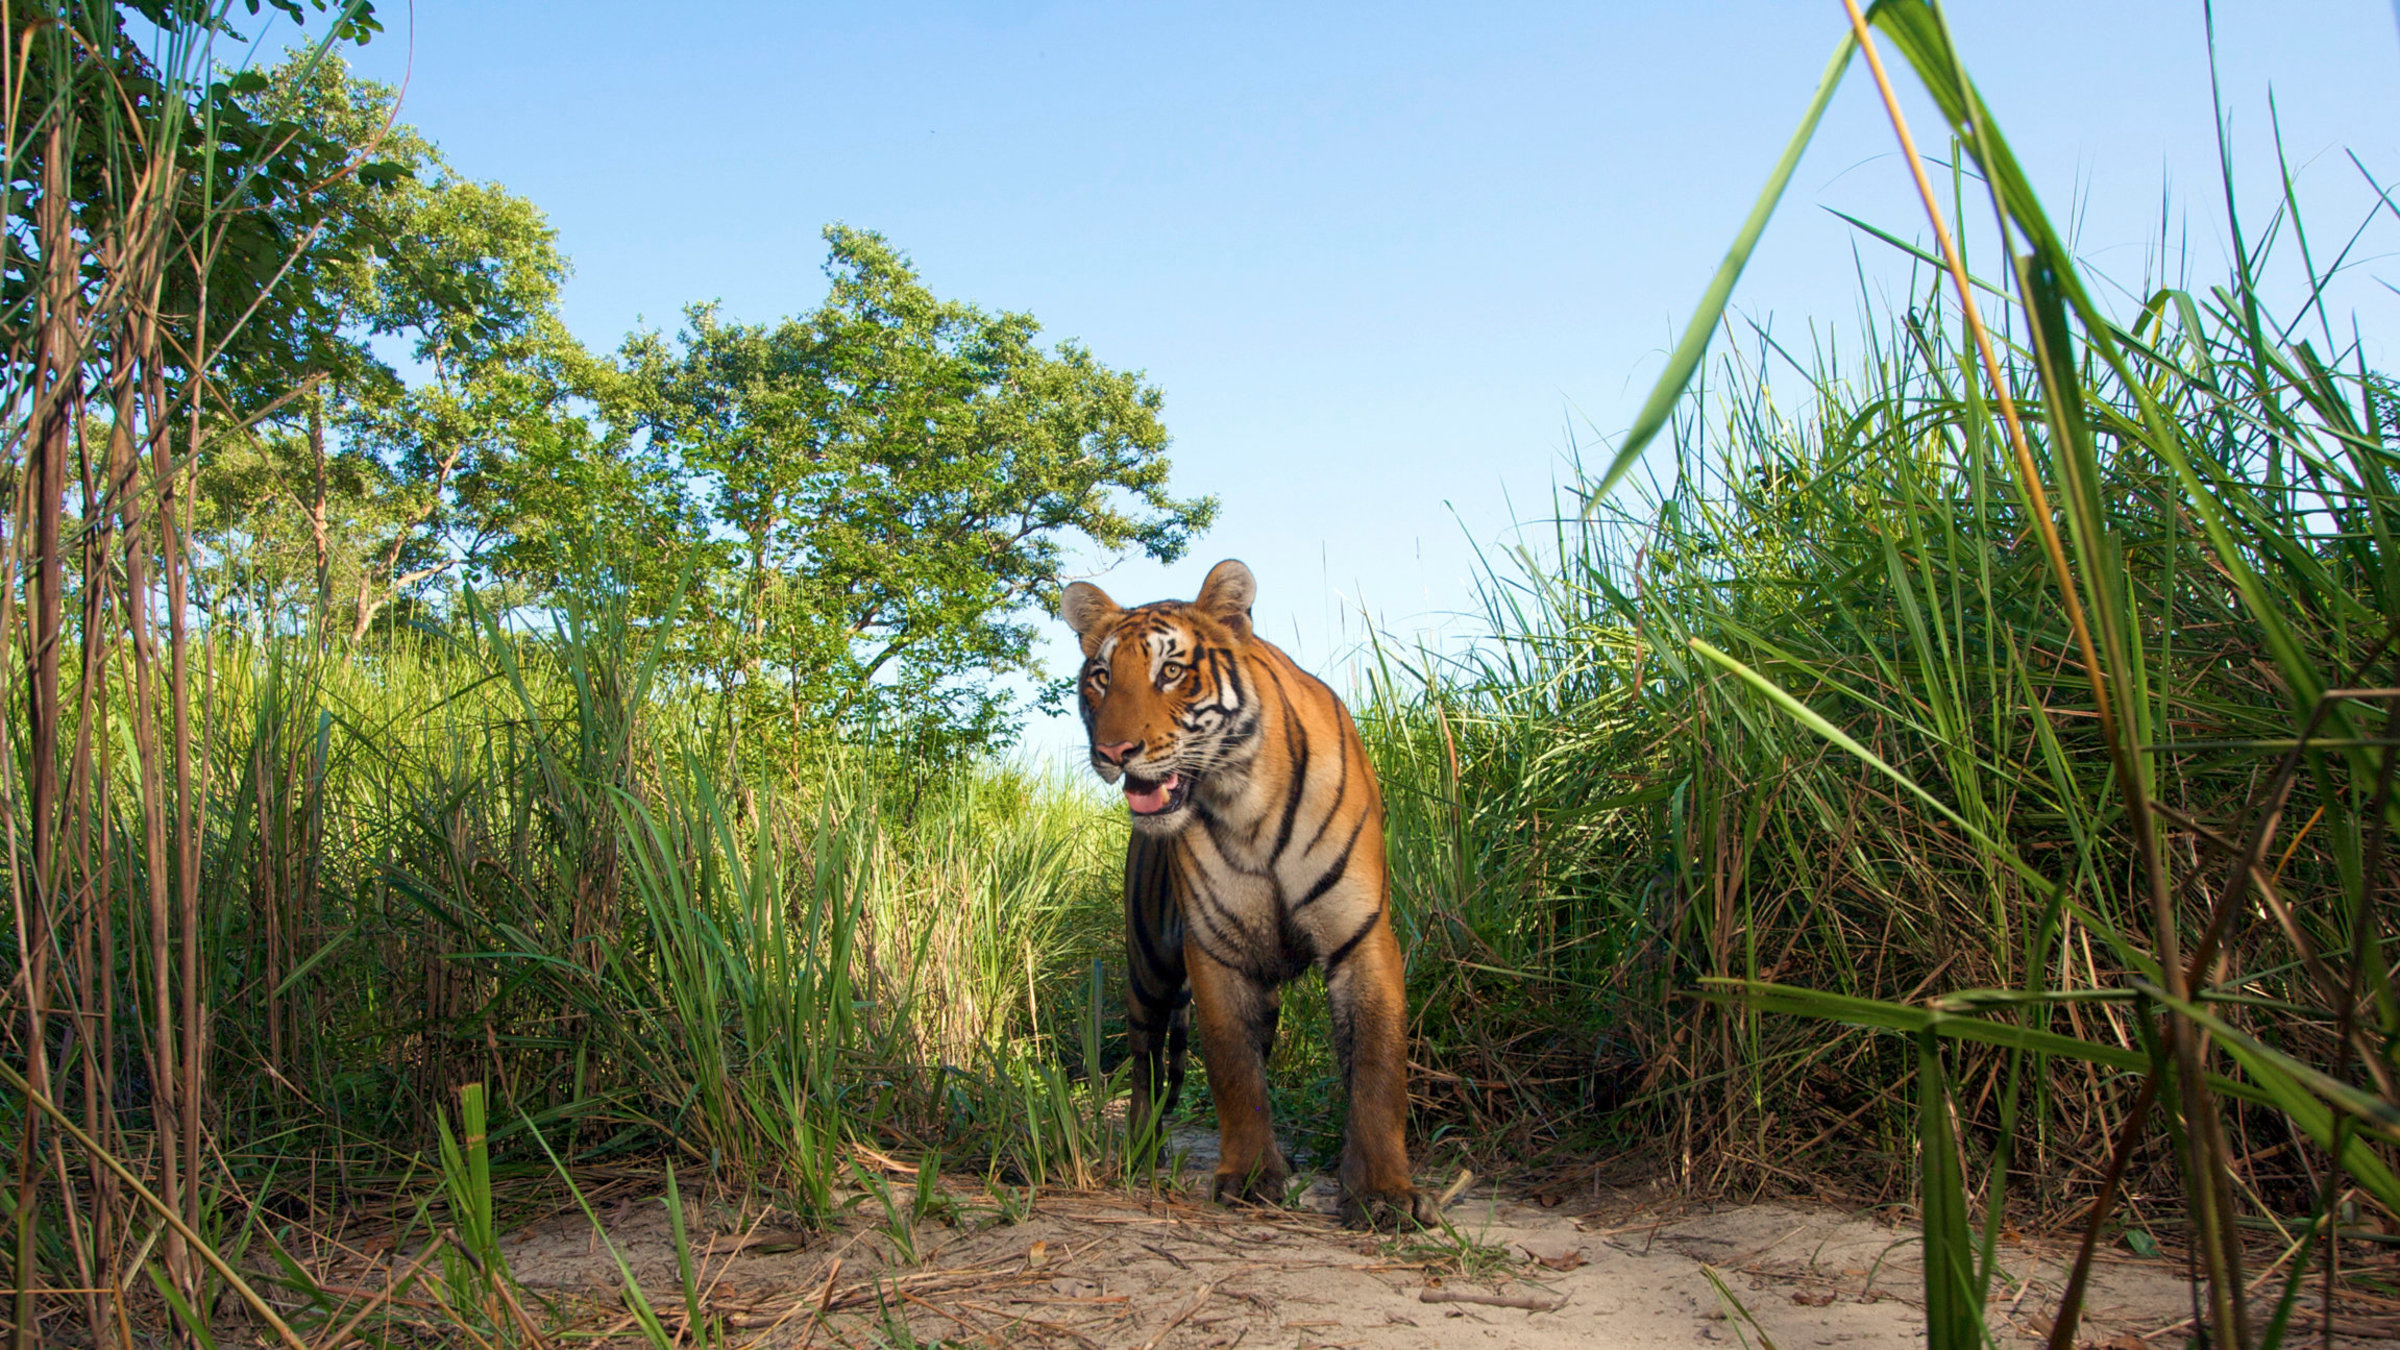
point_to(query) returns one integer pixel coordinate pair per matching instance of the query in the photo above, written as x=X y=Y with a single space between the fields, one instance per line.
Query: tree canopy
x=348 y=486
x=857 y=506
x=889 y=481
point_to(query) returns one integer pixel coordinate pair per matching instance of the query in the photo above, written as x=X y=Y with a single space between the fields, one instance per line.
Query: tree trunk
x=368 y=607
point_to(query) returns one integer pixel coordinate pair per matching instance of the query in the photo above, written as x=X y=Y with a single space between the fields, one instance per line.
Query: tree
x=892 y=479
x=471 y=278
x=375 y=484
x=867 y=496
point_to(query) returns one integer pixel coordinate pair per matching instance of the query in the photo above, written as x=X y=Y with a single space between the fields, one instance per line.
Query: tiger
x=1255 y=852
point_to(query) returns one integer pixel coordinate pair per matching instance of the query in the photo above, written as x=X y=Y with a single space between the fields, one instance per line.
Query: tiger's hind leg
x=1156 y=990
x=1237 y=1017
x=1364 y=985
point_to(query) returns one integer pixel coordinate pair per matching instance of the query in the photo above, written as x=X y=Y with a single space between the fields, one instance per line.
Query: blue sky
x=1383 y=260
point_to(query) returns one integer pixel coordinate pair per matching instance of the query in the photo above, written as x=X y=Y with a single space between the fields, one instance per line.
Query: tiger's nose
x=1116 y=754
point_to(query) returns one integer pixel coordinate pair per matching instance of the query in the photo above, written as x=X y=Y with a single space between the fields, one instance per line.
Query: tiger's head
x=1163 y=693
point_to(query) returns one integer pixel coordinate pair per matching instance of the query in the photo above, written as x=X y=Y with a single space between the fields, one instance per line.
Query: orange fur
x=1257 y=853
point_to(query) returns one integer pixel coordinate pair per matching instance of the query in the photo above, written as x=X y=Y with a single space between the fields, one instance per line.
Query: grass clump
x=506 y=880
x=1969 y=784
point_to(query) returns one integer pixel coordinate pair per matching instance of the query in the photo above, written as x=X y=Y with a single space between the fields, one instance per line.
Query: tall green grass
x=507 y=868
x=1967 y=790
x=618 y=934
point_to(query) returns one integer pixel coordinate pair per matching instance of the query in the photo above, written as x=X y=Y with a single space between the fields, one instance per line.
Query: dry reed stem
x=2209 y=1194
x=165 y=1212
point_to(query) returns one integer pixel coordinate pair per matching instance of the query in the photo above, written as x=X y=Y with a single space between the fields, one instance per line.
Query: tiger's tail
x=1157 y=992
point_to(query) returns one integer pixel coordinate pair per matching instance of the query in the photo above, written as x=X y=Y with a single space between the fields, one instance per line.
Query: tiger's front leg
x=1366 y=989
x=1237 y=1017
x=1155 y=988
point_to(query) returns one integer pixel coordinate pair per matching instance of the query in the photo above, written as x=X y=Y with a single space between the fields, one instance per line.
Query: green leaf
x=1685 y=359
x=1953 y=1314
x=1810 y=718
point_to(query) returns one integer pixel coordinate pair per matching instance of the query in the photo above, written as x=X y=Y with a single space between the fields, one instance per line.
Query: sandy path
x=1103 y=1269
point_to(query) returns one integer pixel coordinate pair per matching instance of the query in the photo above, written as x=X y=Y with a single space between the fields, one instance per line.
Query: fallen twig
x=1179 y=1318
x=1039 y=1326
x=390 y=1287
x=1171 y=1258
x=817 y=1318
x=969 y=1323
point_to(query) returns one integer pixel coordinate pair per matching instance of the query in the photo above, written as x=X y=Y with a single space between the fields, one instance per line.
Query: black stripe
x=1230 y=960
x=1241 y=958
x=1231 y=677
x=1147 y=930
x=1218 y=831
x=1297 y=789
x=1153 y=969
x=1204 y=899
x=1294 y=750
x=1341 y=790
x=1212 y=659
x=1141 y=929
x=1158 y=1009
x=1238 y=950
x=1224 y=675
x=1292 y=798
x=1342 y=953
x=1209 y=822
x=1147 y=882
x=1166 y=1008
x=1334 y=873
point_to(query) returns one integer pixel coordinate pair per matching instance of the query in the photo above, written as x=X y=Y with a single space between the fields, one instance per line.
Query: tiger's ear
x=1227 y=594
x=1088 y=610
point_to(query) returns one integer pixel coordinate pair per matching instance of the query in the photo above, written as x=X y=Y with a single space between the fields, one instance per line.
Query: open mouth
x=1155 y=799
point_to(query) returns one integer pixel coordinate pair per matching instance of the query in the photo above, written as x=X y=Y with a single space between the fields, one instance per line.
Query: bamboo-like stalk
x=98 y=365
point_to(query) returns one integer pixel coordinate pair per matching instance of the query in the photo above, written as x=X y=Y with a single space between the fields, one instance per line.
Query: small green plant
x=637 y=1303
x=811 y=1156
x=474 y=1270
x=701 y=1328
x=1745 y=1324
x=893 y=1329
x=931 y=1201
x=1009 y=1204
x=1447 y=1249
x=899 y=1226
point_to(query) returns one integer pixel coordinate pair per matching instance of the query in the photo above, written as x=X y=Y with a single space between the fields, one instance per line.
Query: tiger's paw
x=1260 y=1184
x=1404 y=1208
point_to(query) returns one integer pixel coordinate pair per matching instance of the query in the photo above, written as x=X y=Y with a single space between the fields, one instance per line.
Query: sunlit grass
x=1908 y=857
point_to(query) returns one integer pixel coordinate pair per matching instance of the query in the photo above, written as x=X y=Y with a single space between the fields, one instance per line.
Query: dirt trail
x=1103 y=1269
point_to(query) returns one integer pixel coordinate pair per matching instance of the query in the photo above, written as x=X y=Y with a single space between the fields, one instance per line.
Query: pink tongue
x=1152 y=802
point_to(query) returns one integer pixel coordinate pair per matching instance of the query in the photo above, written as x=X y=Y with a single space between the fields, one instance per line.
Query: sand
x=1628 y=1267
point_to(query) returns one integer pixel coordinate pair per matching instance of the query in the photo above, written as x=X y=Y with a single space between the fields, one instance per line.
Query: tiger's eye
x=1171 y=672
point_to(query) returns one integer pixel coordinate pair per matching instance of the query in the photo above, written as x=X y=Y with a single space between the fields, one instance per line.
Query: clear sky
x=1384 y=261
